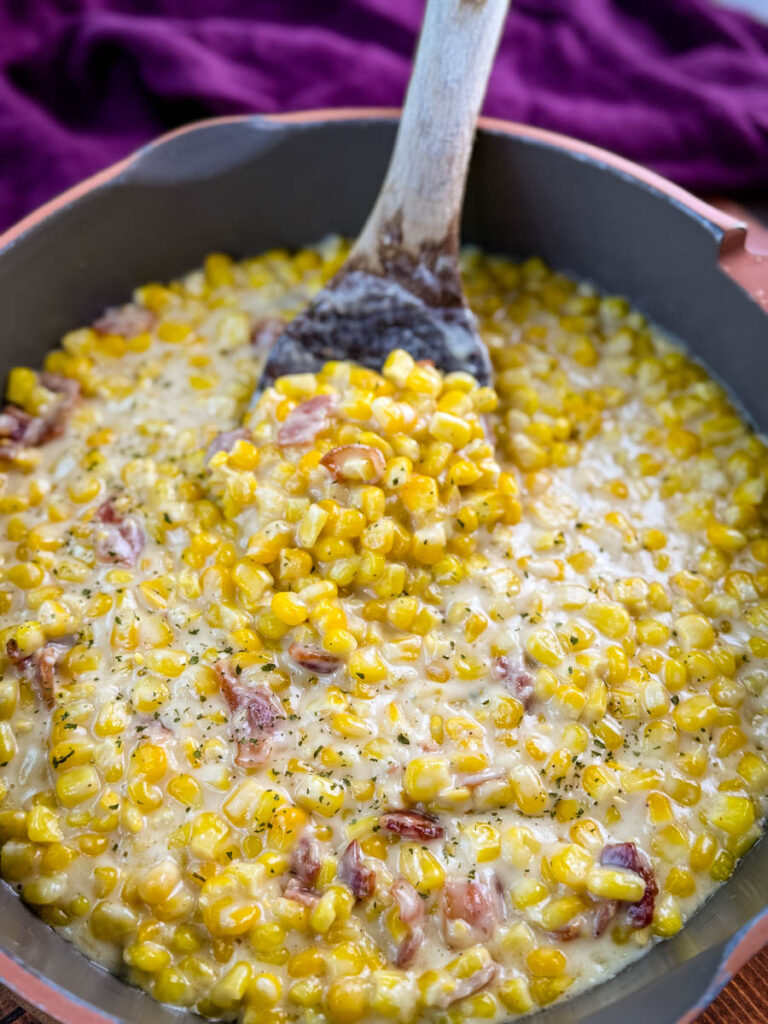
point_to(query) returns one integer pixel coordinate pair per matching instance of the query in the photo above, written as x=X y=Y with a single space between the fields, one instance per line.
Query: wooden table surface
x=743 y=1001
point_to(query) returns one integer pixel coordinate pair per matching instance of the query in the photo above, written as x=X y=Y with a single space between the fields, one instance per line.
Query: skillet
x=245 y=184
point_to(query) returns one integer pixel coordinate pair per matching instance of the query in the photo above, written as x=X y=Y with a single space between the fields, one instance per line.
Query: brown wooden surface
x=743 y=1001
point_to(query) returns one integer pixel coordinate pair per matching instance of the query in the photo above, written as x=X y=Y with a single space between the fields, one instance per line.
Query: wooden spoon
x=400 y=286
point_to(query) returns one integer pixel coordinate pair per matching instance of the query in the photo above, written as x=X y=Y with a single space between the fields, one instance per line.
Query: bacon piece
x=477 y=902
x=468 y=986
x=61 y=385
x=120 y=538
x=313 y=659
x=255 y=713
x=359 y=462
x=20 y=430
x=605 y=911
x=305 y=860
x=307 y=420
x=39 y=667
x=413 y=824
x=128 y=320
x=627 y=855
x=265 y=332
x=294 y=890
x=410 y=907
x=517 y=680
x=225 y=442
x=354 y=872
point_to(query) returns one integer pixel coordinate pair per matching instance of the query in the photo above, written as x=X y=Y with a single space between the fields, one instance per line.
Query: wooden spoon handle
x=419 y=205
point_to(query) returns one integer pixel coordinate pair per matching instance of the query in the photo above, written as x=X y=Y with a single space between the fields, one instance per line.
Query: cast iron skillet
x=246 y=184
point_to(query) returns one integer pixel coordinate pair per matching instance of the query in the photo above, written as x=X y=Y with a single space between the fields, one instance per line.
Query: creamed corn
x=392 y=697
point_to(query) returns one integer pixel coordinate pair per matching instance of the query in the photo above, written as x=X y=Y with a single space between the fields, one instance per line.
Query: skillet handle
x=743 y=249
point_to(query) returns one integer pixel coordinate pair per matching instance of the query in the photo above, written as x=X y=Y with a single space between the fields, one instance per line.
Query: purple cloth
x=680 y=85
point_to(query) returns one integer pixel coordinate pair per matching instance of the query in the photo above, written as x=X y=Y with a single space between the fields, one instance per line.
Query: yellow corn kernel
x=289 y=608
x=558 y=913
x=659 y=808
x=703 y=852
x=421 y=868
x=610 y=619
x=528 y=892
x=425 y=777
x=9 y=697
x=366 y=665
x=680 y=882
x=453 y=430
x=149 y=695
x=346 y=1000
x=695 y=713
x=546 y=962
x=667 y=917
x=732 y=814
x=157 y=884
x=29 y=637
x=515 y=995
x=320 y=795
x=615 y=884
x=694 y=632
x=530 y=795
x=171 y=986
x=8 y=745
x=229 y=991
x=731 y=738
x=600 y=782
x=570 y=865
x=544 y=646
x=208 y=836
x=76 y=785
x=485 y=839
x=25 y=575
x=147 y=956
x=43 y=825
x=186 y=791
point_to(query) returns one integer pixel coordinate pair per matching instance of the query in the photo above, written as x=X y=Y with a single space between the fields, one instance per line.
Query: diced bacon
x=478 y=902
x=61 y=385
x=605 y=911
x=305 y=859
x=225 y=442
x=307 y=420
x=253 y=753
x=18 y=429
x=265 y=332
x=413 y=825
x=354 y=872
x=128 y=321
x=356 y=462
x=515 y=677
x=119 y=538
x=295 y=891
x=627 y=855
x=39 y=667
x=255 y=713
x=313 y=659
x=468 y=986
x=410 y=907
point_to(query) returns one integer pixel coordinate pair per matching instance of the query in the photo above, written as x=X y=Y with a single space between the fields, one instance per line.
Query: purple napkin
x=680 y=85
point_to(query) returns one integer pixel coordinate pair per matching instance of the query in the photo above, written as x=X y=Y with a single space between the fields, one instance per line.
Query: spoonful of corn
x=400 y=286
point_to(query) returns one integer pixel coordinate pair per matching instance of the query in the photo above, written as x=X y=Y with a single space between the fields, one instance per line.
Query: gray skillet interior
x=245 y=186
